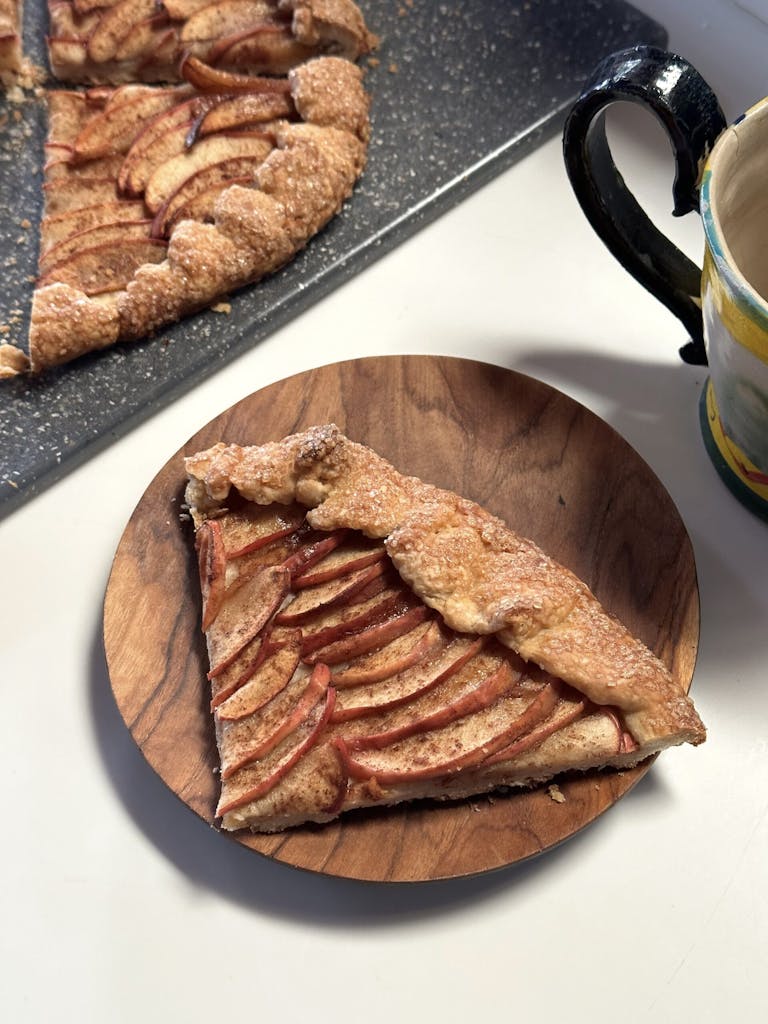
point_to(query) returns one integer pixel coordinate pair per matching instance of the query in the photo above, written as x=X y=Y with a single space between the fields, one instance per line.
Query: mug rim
x=743 y=292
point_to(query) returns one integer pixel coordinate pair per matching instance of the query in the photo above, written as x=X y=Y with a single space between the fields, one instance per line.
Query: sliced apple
x=201 y=207
x=101 y=234
x=85 y=6
x=143 y=38
x=255 y=780
x=58 y=227
x=265 y=49
x=247 y=608
x=228 y=679
x=170 y=175
x=105 y=268
x=472 y=688
x=346 y=559
x=245 y=111
x=180 y=10
x=212 y=570
x=113 y=26
x=368 y=639
x=139 y=166
x=448 y=750
x=270 y=677
x=63 y=166
x=313 y=550
x=551 y=711
x=208 y=79
x=223 y=18
x=362 y=611
x=403 y=687
x=113 y=129
x=246 y=741
x=423 y=641
x=208 y=182
x=252 y=526
x=327 y=595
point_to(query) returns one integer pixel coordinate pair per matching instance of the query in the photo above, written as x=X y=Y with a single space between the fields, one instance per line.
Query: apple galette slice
x=109 y=41
x=373 y=639
x=162 y=200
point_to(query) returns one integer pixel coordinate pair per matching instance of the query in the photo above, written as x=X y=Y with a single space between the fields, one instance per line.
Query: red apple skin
x=311 y=576
x=334 y=592
x=286 y=764
x=480 y=697
x=365 y=609
x=368 y=639
x=212 y=565
x=314 y=692
x=430 y=681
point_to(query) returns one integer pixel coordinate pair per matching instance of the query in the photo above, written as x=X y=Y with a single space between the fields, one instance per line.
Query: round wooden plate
x=552 y=469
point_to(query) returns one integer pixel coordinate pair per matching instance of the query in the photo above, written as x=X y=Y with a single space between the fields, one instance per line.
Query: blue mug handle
x=689 y=111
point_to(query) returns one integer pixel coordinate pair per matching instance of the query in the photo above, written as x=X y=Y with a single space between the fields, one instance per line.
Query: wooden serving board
x=551 y=468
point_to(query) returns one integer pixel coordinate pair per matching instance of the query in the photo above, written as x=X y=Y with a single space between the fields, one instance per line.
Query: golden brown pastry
x=374 y=639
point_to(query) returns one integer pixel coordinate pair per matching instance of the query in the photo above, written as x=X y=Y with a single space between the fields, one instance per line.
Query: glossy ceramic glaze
x=720 y=173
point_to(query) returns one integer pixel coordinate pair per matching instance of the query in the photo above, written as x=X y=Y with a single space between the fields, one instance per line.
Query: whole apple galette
x=161 y=199
x=373 y=639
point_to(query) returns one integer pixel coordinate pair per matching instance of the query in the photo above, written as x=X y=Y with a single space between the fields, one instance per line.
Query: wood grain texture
x=552 y=469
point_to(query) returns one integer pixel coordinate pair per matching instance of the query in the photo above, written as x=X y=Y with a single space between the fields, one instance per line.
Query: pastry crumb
x=556 y=794
x=222 y=307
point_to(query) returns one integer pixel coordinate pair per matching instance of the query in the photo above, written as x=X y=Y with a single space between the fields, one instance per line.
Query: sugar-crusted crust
x=466 y=564
x=300 y=186
x=10 y=41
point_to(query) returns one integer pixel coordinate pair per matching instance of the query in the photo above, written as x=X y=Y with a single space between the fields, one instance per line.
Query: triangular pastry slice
x=373 y=639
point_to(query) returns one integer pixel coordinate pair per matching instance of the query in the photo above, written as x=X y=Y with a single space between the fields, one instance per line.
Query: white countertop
x=118 y=904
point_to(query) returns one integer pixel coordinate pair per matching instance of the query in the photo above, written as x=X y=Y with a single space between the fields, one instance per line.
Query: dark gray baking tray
x=461 y=90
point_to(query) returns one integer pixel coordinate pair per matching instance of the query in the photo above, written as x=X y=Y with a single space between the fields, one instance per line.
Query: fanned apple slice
x=554 y=709
x=339 y=622
x=269 y=678
x=114 y=129
x=201 y=207
x=255 y=780
x=424 y=641
x=249 y=740
x=249 y=526
x=336 y=591
x=139 y=166
x=248 y=606
x=245 y=111
x=170 y=175
x=114 y=25
x=99 y=235
x=211 y=570
x=455 y=747
x=105 y=268
x=414 y=681
x=474 y=687
x=224 y=18
x=63 y=167
x=208 y=79
x=265 y=48
x=369 y=639
x=143 y=38
x=56 y=228
x=314 y=548
x=354 y=555
x=209 y=181
x=72 y=194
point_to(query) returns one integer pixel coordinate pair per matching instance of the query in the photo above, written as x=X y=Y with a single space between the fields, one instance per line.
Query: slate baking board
x=461 y=90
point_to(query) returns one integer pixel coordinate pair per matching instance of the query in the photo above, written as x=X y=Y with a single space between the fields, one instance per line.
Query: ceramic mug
x=722 y=172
